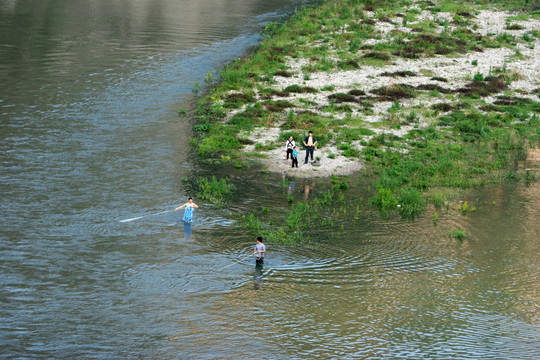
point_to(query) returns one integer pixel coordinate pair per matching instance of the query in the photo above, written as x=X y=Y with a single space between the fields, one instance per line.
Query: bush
x=214 y=190
x=412 y=202
x=218 y=144
x=458 y=234
x=384 y=200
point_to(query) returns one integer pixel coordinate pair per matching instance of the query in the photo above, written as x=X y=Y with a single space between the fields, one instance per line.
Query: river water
x=90 y=135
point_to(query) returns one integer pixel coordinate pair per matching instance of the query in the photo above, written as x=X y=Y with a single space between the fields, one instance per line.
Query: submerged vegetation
x=302 y=219
x=216 y=191
x=418 y=131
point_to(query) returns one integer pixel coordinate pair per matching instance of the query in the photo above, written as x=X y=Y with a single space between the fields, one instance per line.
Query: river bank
x=429 y=95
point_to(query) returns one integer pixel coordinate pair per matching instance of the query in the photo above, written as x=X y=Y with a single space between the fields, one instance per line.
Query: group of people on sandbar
x=310 y=143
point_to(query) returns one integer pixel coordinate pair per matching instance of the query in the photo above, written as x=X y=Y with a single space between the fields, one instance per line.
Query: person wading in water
x=259 y=251
x=188 y=214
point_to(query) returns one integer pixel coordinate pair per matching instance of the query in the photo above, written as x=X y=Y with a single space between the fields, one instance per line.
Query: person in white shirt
x=259 y=251
x=289 y=146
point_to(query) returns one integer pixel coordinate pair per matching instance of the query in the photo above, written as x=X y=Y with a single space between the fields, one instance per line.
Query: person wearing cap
x=259 y=251
x=188 y=213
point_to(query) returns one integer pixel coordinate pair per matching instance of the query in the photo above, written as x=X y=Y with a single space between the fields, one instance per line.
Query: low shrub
x=214 y=190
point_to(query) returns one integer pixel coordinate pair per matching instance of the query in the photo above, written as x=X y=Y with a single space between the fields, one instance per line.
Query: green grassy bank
x=431 y=137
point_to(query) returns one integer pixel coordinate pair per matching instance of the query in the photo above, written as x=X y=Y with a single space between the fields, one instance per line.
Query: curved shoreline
x=431 y=97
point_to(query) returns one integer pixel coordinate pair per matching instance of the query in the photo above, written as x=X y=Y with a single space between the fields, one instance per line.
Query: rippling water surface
x=90 y=135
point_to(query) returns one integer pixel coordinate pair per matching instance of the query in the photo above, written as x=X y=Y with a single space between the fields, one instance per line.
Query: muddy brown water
x=90 y=135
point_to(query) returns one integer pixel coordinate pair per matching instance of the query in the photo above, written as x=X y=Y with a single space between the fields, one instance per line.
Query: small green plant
x=478 y=77
x=514 y=27
x=411 y=118
x=195 y=88
x=214 y=190
x=209 y=78
x=474 y=62
x=395 y=107
x=458 y=234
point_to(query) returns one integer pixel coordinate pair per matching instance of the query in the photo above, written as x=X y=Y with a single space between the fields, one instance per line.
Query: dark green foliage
x=458 y=234
x=241 y=122
x=352 y=134
x=356 y=92
x=433 y=87
x=377 y=55
x=278 y=105
x=514 y=27
x=490 y=85
x=384 y=200
x=438 y=78
x=214 y=190
x=401 y=73
x=471 y=125
x=412 y=202
x=300 y=89
x=394 y=92
x=218 y=143
x=341 y=97
x=283 y=73
x=348 y=64
x=444 y=107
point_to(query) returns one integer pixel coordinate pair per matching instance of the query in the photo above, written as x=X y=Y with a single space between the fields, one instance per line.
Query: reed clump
x=214 y=190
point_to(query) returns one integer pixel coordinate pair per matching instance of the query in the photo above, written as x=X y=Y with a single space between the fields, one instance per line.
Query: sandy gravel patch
x=340 y=165
x=458 y=70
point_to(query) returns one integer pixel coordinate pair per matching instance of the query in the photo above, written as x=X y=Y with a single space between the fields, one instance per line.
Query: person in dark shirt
x=310 y=142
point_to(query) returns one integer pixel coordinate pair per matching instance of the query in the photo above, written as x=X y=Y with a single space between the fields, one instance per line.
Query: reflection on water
x=258 y=276
x=187 y=231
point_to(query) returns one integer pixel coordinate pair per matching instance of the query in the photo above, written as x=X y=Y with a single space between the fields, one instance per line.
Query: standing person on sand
x=310 y=143
x=188 y=213
x=289 y=146
x=294 y=157
x=259 y=251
